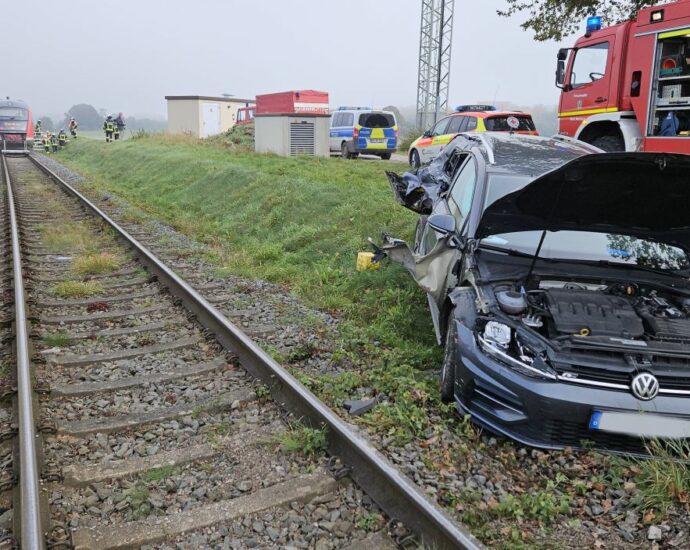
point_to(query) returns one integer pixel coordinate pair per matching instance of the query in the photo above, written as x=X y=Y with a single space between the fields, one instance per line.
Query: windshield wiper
x=510 y=251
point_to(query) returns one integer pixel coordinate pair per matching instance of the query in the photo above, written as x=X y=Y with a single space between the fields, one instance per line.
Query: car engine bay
x=618 y=312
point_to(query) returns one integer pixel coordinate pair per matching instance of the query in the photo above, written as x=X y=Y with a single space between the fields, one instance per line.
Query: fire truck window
x=589 y=65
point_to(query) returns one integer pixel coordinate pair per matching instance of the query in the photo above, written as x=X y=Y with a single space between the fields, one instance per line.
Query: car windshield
x=580 y=245
x=14 y=113
x=377 y=120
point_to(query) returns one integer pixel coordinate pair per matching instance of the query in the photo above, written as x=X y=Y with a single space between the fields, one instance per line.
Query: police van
x=356 y=130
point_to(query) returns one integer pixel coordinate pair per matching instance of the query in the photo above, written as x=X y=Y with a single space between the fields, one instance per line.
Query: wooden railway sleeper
x=59 y=538
x=52 y=472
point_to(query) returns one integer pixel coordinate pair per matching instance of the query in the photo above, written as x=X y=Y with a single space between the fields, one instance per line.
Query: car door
x=438 y=140
x=435 y=256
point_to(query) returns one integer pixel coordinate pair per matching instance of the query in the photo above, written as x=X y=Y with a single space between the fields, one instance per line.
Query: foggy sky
x=127 y=55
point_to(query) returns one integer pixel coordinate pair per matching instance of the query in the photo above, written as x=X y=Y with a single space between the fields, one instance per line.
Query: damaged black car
x=558 y=282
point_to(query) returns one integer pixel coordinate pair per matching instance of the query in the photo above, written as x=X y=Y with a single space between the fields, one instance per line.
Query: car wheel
x=610 y=144
x=415 y=161
x=385 y=156
x=344 y=152
x=447 y=381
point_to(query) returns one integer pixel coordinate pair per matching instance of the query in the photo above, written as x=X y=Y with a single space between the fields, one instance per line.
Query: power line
x=435 y=42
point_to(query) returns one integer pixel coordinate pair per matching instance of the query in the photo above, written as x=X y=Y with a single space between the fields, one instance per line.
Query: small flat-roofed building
x=203 y=116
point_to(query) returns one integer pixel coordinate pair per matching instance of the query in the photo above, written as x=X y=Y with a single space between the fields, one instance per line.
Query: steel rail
x=31 y=531
x=392 y=491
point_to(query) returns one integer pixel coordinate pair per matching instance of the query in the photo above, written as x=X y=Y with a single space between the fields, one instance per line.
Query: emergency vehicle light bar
x=354 y=109
x=474 y=108
x=593 y=23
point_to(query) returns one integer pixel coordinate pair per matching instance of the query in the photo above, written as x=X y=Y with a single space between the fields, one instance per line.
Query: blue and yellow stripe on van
x=377 y=138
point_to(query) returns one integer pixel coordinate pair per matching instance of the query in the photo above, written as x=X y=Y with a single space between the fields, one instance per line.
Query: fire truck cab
x=627 y=87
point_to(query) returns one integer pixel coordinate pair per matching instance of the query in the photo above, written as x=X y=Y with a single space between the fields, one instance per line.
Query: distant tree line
x=89 y=118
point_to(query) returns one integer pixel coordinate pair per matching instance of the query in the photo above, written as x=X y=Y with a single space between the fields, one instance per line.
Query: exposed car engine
x=620 y=311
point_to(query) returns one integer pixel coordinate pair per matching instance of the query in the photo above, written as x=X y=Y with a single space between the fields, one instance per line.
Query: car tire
x=447 y=378
x=610 y=144
x=385 y=156
x=415 y=161
x=344 y=151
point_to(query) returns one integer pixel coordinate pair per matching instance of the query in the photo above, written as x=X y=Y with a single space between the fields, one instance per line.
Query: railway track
x=144 y=415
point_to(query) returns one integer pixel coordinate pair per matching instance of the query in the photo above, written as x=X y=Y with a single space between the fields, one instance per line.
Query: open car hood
x=646 y=195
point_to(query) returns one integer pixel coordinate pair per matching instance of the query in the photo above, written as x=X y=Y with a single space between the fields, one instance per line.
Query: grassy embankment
x=300 y=223
x=297 y=222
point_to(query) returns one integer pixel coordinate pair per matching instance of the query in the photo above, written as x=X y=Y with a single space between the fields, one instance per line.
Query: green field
x=298 y=222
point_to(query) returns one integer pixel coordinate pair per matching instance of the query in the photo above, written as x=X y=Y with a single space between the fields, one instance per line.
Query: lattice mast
x=436 y=39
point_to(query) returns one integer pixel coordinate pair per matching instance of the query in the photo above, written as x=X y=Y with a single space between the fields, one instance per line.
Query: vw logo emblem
x=645 y=386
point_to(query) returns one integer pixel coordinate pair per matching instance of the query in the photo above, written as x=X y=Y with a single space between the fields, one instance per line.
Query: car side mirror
x=442 y=223
x=428 y=134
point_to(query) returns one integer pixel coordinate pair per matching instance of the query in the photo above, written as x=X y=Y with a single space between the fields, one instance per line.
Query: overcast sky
x=127 y=55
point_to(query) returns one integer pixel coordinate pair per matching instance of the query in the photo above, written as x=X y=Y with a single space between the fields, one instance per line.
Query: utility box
x=293 y=123
x=203 y=116
x=293 y=102
x=292 y=134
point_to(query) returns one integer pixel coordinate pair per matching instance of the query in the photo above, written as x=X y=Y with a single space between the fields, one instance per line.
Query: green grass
x=57 y=340
x=96 y=264
x=76 y=289
x=159 y=474
x=664 y=480
x=298 y=222
x=303 y=439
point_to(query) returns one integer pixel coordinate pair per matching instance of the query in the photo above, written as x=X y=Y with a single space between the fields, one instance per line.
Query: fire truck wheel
x=610 y=144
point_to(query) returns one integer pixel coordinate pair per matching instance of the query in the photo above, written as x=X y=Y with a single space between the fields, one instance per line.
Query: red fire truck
x=627 y=87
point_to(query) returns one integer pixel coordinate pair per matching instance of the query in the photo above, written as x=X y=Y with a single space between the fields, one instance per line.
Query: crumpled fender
x=430 y=271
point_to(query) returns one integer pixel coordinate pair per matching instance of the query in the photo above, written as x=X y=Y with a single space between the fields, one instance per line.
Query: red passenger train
x=16 y=125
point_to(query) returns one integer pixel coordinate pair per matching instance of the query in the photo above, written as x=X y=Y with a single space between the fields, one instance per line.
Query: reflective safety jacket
x=108 y=126
x=62 y=138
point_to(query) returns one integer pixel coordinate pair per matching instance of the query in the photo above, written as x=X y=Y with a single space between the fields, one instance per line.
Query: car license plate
x=377 y=141
x=640 y=424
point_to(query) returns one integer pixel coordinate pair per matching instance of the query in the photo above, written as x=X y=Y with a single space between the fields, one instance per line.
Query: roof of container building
x=209 y=98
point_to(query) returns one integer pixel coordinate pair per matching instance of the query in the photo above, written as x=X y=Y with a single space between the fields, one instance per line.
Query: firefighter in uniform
x=62 y=138
x=54 y=142
x=37 y=128
x=116 y=132
x=46 y=142
x=73 y=127
x=109 y=128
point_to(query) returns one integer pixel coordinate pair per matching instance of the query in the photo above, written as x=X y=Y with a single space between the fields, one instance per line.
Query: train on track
x=16 y=126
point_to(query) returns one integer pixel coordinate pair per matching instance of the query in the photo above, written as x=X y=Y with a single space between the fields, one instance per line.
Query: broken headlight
x=503 y=344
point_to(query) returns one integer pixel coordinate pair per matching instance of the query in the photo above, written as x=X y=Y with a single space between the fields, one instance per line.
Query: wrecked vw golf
x=558 y=281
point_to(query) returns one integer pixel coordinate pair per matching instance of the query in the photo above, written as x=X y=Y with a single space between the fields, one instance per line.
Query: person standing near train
x=109 y=128
x=73 y=127
x=121 y=125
